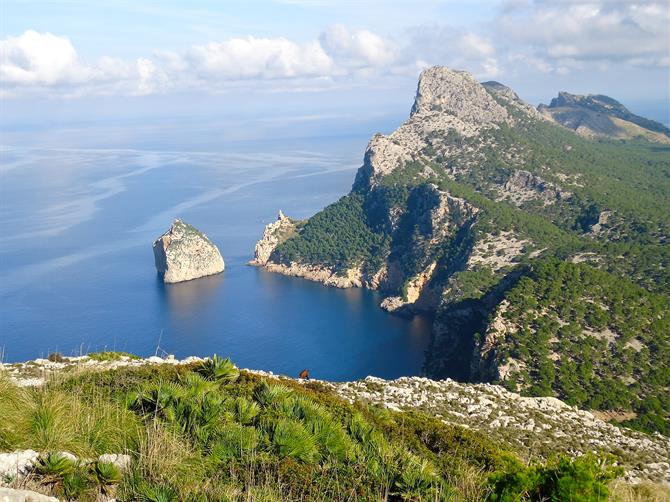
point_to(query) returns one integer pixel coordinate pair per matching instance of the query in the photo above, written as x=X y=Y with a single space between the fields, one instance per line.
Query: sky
x=66 y=60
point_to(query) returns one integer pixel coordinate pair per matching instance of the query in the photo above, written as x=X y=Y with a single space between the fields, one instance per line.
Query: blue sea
x=81 y=206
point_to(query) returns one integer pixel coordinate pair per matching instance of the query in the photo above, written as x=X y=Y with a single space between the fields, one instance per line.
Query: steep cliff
x=184 y=253
x=478 y=193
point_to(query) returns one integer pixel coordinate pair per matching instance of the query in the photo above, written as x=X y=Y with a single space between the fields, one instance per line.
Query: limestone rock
x=523 y=186
x=382 y=157
x=274 y=234
x=17 y=463
x=456 y=93
x=184 y=253
x=120 y=460
x=12 y=495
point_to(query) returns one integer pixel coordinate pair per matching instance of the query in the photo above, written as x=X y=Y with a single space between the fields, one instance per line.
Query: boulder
x=184 y=253
x=12 y=495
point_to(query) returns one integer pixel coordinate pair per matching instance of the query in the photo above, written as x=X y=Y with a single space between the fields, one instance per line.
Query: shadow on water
x=187 y=300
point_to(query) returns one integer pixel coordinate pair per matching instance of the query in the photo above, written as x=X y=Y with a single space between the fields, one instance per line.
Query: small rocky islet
x=183 y=253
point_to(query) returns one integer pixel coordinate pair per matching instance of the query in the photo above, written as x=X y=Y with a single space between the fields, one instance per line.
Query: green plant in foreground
x=106 y=474
x=584 y=479
x=294 y=441
x=53 y=467
x=219 y=370
x=259 y=440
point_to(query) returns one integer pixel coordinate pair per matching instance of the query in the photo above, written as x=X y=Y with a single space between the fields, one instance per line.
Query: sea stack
x=184 y=253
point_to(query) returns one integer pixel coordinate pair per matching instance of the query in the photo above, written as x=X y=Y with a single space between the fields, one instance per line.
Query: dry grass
x=52 y=420
x=644 y=492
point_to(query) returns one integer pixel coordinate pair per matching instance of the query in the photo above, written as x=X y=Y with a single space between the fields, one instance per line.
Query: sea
x=81 y=205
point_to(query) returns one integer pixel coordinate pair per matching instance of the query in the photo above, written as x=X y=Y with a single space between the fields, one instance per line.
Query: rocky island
x=184 y=253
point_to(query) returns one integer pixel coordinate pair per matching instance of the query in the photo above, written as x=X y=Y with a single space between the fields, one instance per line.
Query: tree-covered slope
x=469 y=200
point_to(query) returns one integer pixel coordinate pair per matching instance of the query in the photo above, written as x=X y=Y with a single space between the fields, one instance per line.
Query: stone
x=184 y=253
x=12 y=495
x=457 y=93
x=274 y=234
x=17 y=463
x=120 y=460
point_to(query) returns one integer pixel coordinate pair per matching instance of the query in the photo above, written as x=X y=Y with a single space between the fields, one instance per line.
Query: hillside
x=597 y=116
x=543 y=255
x=113 y=426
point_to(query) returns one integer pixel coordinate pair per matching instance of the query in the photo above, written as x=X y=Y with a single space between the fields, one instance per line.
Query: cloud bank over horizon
x=541 y=37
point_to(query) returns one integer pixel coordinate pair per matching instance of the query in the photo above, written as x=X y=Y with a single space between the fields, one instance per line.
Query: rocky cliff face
x=275 y=233
x=183 y=253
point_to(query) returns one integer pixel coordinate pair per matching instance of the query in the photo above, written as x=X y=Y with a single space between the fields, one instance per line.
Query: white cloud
x=357 y=49
x=625 y=33
x=252 y=58
x=42 y=62
x=524 y=37
x=33 y=62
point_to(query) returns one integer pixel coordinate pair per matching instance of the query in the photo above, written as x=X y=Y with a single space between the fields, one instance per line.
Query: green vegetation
x=340 y=235
x=210 y=432
x=594 y=333
x=111 y=356
x=591 y=339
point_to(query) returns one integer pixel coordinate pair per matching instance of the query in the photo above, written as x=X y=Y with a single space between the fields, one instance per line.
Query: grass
x=211 y=432
x=111 y=356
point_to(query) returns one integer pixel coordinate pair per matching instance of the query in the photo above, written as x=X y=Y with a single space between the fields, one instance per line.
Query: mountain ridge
x=597 y=115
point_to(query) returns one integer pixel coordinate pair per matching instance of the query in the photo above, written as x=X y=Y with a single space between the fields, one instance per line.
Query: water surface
x=77 y=273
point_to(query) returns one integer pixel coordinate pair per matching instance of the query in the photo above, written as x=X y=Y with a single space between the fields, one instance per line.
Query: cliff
x=184 y=253
x=479 y=201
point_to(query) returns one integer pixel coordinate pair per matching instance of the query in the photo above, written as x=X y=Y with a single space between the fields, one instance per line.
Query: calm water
x=77 y=273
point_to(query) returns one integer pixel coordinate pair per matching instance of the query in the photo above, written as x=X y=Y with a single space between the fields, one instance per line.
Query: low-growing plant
x=219 y=370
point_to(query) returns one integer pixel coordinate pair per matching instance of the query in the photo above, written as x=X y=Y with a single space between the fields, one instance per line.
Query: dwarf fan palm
x=219 y=370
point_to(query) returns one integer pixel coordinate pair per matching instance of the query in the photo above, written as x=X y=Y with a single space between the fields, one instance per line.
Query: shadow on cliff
x=454 y=351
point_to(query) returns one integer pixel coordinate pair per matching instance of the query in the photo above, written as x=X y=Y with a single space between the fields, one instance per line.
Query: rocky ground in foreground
x=535 y=427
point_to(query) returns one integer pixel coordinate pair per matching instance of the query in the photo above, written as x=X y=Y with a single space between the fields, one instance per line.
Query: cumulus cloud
x=522 y=37
x=357 y=49
x=635 y=33
x=447 y=45
x=36 y=61
x=43 y=61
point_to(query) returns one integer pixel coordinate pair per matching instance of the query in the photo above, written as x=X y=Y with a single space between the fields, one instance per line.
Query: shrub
x=219 y=370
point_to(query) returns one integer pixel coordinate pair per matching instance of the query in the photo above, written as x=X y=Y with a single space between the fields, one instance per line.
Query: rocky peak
x=457 y=93
x=184 y=253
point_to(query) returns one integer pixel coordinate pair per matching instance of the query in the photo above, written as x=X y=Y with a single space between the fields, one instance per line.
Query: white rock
x=12 y=495
x=184 y=253
x=119 y=460
x=17 y=462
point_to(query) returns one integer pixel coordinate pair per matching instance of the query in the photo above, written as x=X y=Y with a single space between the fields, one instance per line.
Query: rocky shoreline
x=536 y=427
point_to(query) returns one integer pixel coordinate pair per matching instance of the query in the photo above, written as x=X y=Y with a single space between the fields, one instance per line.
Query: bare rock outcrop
x=457 y=93
x=523 y=186
x=184 y=253
x=13 y=495
x=274 y=234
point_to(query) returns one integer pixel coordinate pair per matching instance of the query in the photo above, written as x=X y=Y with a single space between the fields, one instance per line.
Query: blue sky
x=61 y=58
